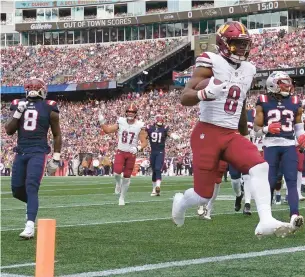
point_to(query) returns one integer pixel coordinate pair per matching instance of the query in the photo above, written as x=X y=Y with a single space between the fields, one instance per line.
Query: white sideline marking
x=222 y=198
x=133 y=220
x=16 y=265
x=12 y=275
x=147 y=267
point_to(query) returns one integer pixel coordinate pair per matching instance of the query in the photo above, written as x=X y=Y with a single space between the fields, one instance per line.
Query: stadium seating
x=85 y=63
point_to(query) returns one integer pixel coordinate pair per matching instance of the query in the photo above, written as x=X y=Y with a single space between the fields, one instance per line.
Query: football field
x=96 y=237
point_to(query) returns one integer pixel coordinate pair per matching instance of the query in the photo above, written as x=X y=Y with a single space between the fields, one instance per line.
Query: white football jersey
x=225 y=111
x=128 y=134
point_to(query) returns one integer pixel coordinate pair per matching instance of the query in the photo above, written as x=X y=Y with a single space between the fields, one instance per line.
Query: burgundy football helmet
x=131 y=111
x=233 y=41
x=35 y=88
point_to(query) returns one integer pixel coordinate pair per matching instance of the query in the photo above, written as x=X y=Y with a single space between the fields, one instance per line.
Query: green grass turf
x=101 y=241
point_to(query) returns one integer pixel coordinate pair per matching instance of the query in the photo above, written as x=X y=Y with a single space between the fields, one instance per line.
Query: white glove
x=252 y=134
x=175 y=136
x=22 y=106
x=101 y=119
x=211 y=91
x=53 y=164
x=135 y=150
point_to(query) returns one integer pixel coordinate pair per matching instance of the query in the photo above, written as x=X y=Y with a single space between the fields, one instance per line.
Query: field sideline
x=96 y=237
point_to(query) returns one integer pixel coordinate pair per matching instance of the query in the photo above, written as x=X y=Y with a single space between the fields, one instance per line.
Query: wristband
x=201 y=95
x=17 y=114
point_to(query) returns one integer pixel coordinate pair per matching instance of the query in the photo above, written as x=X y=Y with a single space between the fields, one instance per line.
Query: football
x=203 y=84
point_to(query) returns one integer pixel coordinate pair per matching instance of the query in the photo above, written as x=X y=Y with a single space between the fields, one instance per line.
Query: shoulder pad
x=204 y=60
x=51 y=102
x=15 y=102
x=263 y=98
x=295 y=99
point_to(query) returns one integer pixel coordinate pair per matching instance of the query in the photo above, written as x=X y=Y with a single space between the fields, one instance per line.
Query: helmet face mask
x=159 y=120
x=280 y=83
x=233 y=41
x=35 y=88
x=131 y=112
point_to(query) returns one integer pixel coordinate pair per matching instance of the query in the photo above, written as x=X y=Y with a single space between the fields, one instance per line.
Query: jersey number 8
x=30 y=120
x=231 y=103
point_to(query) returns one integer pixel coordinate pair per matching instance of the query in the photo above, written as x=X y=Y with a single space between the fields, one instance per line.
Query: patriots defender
x=31 y=118
x=279 y=117
x=130 y=131
x=157 y=135
x=216 y=136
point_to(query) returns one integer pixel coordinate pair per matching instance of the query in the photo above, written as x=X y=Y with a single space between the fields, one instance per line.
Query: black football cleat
x=247 y=209
x=238 y=202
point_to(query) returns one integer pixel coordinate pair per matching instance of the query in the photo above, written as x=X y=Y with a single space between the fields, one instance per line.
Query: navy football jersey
x=157 y=137
x=34 y=126
x=283 y=111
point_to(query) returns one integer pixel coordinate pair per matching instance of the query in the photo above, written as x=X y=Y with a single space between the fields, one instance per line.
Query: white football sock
x=158 y=183
x=212 y=200
x=247 y=189
x=236 y=186
x=118 y=179
x=299 y=183
x=190 y=199
x=154 y=185
x=260 y=190
x=125 y=186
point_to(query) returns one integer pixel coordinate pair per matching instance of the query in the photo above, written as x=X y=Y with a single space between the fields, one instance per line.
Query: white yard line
x=88 y=188
x=132 y=220
x=221 y=197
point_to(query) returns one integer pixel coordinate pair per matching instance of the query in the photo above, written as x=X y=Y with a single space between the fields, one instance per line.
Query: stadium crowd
x=87 y=63
x=278 y=50
x=270 y=50
x=82 y=133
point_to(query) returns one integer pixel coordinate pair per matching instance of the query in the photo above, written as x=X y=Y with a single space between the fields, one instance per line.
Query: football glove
x=53 y=164
x=135 y=150
x=175 y=136
x=101 y=119
x=301 y=141
x=273 y=128
x=212 y=91
x=22 y=106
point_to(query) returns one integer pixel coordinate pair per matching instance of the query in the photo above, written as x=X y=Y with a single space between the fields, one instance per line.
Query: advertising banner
x=70 y=3
x=64 y=87
x=292 y=71
x=221 y=12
